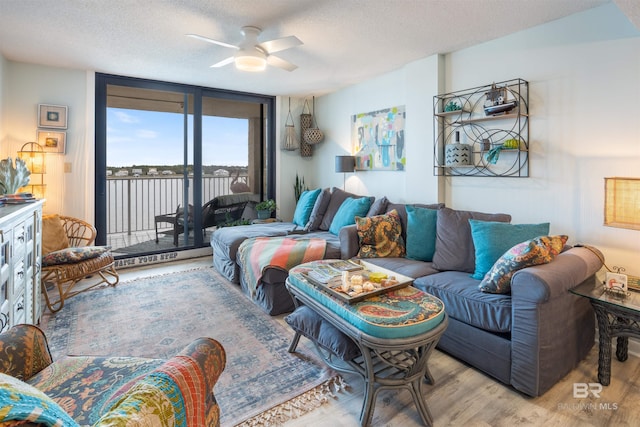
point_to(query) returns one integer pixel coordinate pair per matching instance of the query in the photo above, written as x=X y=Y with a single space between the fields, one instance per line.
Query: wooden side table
x=393 y=359
x=618 y=316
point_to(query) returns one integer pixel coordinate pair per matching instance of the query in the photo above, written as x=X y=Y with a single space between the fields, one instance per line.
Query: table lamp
x=345 y=164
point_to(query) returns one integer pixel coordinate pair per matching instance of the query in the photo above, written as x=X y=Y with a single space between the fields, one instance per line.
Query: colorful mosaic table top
x=399 y=313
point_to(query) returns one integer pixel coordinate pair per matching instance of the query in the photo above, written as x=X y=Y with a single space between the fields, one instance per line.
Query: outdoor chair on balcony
x=218 y=212
x=67 y=258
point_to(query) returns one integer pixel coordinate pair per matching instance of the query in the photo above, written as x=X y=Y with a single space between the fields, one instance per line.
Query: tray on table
x=328 y=277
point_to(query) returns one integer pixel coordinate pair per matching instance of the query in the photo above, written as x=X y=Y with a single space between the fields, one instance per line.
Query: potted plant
x=265 y=208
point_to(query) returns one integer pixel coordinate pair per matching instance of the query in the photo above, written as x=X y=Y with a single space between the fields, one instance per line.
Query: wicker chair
x=65 y=276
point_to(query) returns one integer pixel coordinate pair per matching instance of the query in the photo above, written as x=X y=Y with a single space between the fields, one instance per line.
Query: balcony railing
x=133 y=202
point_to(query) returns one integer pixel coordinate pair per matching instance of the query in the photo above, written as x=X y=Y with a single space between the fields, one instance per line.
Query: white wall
x=28 y=85
x=584 y=81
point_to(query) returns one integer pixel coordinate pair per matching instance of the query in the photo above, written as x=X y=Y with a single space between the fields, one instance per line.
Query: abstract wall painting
x=377 y=139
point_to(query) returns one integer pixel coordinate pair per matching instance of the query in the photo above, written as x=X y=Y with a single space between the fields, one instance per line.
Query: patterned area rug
x=157 y=316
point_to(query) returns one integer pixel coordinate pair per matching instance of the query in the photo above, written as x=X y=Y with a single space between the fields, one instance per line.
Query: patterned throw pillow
x=380 y=236
x=540 y=250
x=73 y=255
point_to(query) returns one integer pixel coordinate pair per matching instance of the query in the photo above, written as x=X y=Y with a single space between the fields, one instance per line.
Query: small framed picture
x=615 y=282
x=52 y=142
x=52 y=116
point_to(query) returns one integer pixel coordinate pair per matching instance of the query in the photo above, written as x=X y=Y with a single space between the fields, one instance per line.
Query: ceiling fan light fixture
x=250 y=61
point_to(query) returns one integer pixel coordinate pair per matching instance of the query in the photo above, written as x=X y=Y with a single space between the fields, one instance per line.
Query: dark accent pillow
x=421 y=232
x=378 y=207
x=380 y=236
x=492 y=239
x=319 y=208
x=337 y=197
x=454 y=244
x=309 y=323
x=541 y=250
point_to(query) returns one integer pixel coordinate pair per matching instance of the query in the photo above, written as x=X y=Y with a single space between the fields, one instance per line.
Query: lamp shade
x=345 y=164
x=622 y=202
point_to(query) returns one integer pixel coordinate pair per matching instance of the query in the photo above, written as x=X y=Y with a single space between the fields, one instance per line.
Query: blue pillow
x=421 y=233
x=348 y=211
x=305 y=205
x=493 y=239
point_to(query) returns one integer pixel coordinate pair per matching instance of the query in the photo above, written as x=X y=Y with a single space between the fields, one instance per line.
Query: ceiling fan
x=252 y=55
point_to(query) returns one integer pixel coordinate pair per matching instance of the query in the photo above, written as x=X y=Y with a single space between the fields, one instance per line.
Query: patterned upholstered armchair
x=106 y=391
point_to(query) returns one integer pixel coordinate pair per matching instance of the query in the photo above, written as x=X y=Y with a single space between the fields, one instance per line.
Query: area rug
x=262 y=384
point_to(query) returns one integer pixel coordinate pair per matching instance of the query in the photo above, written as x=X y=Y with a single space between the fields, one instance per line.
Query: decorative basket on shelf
x=290 y=139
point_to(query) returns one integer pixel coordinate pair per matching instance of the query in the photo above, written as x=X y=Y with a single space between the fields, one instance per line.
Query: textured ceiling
x=345 y=41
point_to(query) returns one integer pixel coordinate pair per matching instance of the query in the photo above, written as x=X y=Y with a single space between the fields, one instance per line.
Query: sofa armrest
x=209 y=355
x=349 y=243
x=552 y=329
x=24 y=351
x=545 y=282
x=182 y=387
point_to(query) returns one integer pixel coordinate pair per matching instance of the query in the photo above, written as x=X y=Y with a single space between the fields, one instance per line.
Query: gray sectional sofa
x=528 y=338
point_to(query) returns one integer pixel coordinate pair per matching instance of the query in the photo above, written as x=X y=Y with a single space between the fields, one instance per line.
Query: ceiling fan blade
x=208 y=40
x=280 y=63
x=277 y=45
x=224 y=62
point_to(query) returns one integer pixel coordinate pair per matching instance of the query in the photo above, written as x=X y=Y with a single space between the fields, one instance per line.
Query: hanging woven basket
x=306 y=149
x=290 y=138
x=312 y=135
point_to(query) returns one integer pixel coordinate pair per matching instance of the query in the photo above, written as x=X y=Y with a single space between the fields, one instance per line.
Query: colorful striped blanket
x=258 y=253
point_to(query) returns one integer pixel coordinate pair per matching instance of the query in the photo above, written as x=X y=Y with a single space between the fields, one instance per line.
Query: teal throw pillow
x=421 y=232
x=305 y=205
x=348 y=211
x=492 y=239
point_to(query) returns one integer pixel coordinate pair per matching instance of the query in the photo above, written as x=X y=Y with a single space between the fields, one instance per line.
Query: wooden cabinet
x=20 y=261
x=483 y=131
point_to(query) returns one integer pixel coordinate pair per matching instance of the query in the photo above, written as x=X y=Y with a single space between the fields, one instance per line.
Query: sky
x=137 y=137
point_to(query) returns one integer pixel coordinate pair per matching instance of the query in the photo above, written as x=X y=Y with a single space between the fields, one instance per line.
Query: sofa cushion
x=402 y=211
x=308 y=323
x=338 y=196
x=492 y=239
x=319 y=208
x=22 y=402
x=54 y=237
x=73 y=255
x=305 y=205
x=540 y=250
x=87 y=386
x=225 y=241
x=348 y=211
x=462 y=300
x=454 y=244
x=380 y=236
x=421 y=233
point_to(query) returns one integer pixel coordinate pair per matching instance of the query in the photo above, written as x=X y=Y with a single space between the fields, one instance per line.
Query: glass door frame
x=268 y=136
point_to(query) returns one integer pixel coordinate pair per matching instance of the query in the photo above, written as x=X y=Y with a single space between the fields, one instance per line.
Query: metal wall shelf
x=482 y=132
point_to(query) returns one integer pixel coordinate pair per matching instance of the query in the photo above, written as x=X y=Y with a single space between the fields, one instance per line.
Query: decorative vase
x=457 y=154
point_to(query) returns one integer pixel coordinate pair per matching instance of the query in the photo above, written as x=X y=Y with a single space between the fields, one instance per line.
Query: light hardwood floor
x=463 y=396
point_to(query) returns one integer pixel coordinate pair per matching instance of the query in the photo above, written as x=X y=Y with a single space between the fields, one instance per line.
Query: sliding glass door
x=163 y=151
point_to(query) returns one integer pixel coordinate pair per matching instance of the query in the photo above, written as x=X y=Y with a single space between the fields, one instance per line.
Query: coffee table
x=618 y=316
x=395 y=332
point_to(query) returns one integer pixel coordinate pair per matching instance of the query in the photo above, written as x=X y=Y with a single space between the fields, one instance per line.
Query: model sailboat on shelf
x=496 y=102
